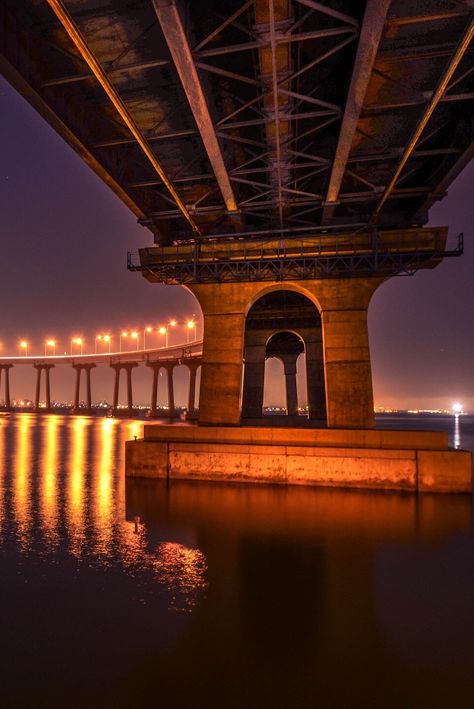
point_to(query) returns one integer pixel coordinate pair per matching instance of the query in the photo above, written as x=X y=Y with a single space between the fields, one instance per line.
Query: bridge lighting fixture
x=190 y=325
x=52 y=344
x=124 y=333
x=77 y=341
x=146 y=330
x=107 y=339
x=24 y=347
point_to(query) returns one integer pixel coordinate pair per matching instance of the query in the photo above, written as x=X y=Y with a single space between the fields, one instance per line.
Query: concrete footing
x=417 y=461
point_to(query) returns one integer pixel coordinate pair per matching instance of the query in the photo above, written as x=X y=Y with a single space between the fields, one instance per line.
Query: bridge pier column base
x=410 y=461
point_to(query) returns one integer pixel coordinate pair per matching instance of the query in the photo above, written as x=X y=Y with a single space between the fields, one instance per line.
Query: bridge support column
x=347 y=369
x=5 y=370
x=39 y=369
x=77 y=392
x=171 y=405
x=154 y=387
x=223 y=308
x=344 y=349
x=193 y=367
x=254 y=378
x=289 y=364
x=127 y=366
x=315 y=380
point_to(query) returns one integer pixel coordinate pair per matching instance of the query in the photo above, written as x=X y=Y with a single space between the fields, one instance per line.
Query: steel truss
x=189 y=268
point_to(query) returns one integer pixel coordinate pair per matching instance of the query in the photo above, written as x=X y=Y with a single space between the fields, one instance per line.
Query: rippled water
x=221 y=595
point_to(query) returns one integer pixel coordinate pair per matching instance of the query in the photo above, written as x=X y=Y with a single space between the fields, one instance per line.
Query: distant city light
x=457 y=408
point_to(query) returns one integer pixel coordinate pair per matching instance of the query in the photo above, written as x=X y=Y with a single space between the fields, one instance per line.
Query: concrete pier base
x=417 y=461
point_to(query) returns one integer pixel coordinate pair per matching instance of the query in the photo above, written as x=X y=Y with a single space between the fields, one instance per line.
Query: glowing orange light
x=124 y=333
x=106 y=338
x=51 y=343
x=162 y=330
x=190 y=324
x=135 y=335
x=99 y=337
x=173 y=323
x=23 y=344
x=148 y=329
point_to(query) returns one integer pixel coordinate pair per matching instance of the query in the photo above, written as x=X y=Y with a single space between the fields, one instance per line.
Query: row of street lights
x=102 y=341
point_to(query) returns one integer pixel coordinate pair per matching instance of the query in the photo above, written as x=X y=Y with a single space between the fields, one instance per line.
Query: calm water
x=226 y=596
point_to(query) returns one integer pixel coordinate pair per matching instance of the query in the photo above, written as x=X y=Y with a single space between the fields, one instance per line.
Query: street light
x=134 y=335
x=122 y=334
x=164 y=331
x=77 y=341
x=24 y=347
x=97 y=339
x=190 y=326
x=145 y=330
x=107 y=339
x=50 y=343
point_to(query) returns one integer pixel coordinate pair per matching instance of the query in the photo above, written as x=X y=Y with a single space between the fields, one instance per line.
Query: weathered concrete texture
x=390 y=460
x=342 y=304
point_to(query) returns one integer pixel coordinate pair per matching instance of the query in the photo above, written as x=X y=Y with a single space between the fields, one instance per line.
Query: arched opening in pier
x=285 y=325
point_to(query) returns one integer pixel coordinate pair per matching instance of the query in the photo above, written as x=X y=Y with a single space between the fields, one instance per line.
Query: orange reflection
x=22 y=479
x=75 y=491
x=48 y=479
x=2 y=469
x=106 y=434
x=183 y=571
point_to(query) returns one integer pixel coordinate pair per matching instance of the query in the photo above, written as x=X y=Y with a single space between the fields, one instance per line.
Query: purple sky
x=65 y=236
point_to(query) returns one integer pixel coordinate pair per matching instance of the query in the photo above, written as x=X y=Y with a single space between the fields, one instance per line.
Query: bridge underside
x=254 y=115
x=267 y=143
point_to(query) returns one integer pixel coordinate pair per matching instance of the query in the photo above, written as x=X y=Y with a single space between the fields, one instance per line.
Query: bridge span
x=157 y=359
x=283 y=156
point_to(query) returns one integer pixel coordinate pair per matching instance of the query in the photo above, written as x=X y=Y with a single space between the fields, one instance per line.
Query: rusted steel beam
x=76 y=78
x=151 y=139
x=80 y=43
x=395 y=154
x=282 y=39
x=428 y=17
x=228 y=21
x=330 y=11
x=373 y=109
x=370 y=36
x=180 y=50
x=428 y=112
x=345 y=198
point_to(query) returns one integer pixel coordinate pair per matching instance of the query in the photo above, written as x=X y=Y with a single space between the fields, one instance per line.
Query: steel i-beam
x=178 y=45
x=82 y=47
x=428 y=112
x=371 y=33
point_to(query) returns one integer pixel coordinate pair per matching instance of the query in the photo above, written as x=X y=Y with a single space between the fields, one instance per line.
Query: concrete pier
x=416 y=461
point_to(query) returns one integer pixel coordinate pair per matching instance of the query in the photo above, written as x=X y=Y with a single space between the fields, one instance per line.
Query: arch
x=289 y=286
x=283 y=322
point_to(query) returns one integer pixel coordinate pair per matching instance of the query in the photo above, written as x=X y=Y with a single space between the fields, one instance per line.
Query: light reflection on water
x=226 y=596
x=66 y=488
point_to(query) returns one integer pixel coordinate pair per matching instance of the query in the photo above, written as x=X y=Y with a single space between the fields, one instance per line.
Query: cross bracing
x=254 y=116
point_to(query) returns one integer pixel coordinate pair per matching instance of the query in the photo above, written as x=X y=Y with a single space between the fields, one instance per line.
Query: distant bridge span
x=166 y=358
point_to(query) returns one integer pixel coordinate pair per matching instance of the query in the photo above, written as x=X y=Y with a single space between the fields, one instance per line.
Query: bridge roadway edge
x=404 y=461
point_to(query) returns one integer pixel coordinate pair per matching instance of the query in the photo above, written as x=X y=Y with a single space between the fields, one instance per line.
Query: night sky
x=65 y=237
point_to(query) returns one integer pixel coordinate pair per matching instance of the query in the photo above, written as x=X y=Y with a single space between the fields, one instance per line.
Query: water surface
x=222 y=596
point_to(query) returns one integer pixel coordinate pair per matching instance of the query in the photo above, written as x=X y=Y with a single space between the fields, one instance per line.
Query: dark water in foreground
x=228 y=596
